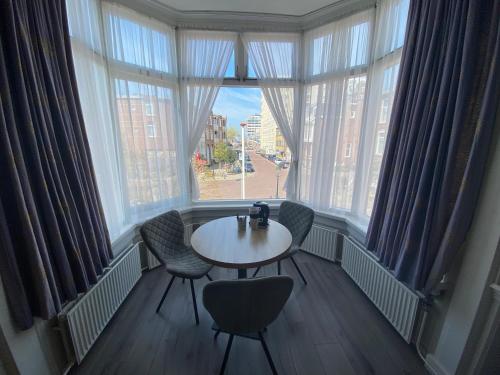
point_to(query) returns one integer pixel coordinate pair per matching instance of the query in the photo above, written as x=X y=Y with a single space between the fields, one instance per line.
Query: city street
x=260 y=184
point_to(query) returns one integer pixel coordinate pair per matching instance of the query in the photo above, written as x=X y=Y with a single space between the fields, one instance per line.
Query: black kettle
x=263 y=213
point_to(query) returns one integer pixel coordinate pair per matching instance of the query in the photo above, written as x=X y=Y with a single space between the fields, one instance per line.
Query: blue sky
x=237 y=103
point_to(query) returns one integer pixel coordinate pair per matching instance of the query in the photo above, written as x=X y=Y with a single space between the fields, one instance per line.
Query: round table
x=221 y=243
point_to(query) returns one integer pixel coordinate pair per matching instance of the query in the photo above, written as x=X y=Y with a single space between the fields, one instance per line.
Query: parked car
x=249 y=167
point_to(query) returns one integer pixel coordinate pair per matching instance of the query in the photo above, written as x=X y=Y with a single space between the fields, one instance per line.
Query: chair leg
x=268 y=354
x=256 y=272
x=165 y=293
x=279 y=267
x=226 y=354
x=298 y=270
x=194 y=302
x=208 y=277
x=183 y=279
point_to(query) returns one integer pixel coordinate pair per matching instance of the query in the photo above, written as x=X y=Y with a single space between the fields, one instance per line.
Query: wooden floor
x=327 y=327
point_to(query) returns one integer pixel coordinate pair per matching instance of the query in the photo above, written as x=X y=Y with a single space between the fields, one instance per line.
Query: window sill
x=341 y=220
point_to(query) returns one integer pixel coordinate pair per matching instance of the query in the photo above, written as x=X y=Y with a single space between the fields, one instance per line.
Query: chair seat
x=187 y=264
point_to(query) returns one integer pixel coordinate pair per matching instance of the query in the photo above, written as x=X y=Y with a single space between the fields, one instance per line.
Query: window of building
x=380 y=143
x=348 y=150
x=148 y=109
x=384 y=110
x=151 y=130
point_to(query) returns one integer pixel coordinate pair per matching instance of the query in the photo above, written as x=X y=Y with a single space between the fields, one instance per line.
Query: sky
x=237 y=103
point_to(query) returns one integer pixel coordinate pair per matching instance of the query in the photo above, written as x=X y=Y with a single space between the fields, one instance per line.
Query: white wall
x=37 y=350
x=477 y=270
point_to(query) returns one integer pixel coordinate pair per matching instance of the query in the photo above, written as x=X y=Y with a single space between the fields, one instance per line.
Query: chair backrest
x=246 y=305
x=298 y=219
x=164 y=235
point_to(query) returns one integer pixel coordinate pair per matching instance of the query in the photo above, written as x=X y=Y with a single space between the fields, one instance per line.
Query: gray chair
x=245 y=307
x=298 y=219
x=164 y=236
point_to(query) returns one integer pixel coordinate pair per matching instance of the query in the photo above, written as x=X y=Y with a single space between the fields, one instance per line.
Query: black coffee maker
x=263 y=213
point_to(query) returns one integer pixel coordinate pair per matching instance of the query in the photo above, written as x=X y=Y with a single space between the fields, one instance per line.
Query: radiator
x=322 y=242
x=88 y=317
x=397 y=302
x=153 y=262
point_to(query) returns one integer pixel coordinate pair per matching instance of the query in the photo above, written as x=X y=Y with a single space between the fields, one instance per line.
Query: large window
x=315 y=109
x=337 y=57
x=389 y=38
x=345 y=125
x=222 y=170
x=142 y=60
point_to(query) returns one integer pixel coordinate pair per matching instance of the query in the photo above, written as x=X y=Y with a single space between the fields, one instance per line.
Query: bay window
x=163 y=109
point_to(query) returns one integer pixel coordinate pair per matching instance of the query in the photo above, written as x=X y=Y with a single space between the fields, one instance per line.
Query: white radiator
x=87 y=319
x=397 y=302
x=322 y=242
x=153 y=262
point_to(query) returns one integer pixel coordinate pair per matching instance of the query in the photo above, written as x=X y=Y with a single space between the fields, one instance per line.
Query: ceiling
x=284 y=7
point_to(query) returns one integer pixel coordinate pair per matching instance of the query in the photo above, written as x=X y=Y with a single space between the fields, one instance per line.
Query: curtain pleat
x=54 y=239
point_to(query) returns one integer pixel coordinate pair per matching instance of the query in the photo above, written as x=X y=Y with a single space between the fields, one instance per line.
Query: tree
x=224 y=154
x=231 y=134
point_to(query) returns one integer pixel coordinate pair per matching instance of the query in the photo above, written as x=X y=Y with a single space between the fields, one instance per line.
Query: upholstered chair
x=245 y=307
x=298 y=219
x=164 y=237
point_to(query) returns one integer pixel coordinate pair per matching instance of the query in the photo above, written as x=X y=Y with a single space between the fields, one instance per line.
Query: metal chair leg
x=268 y=354
x=226 y=354
x=298 y=270
x=256 y=272
x=194 y=302
x=165 y=293
x=279 y=267
x=208 y=277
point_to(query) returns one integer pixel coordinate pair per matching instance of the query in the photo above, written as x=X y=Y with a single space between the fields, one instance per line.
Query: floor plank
x=327 y=327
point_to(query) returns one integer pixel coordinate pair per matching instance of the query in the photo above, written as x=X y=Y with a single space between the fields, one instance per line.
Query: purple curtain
x=53 y=238
x=443 y=117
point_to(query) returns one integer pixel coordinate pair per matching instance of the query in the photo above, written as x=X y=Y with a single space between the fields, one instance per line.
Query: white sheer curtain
x=389 y=38
x=203 y=60
x=337 y=56
x=143 y=72
x=92 y=77
x=276 y=60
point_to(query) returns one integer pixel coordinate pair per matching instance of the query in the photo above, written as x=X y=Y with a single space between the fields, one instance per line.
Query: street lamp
x=278 y=170
x=243 y=161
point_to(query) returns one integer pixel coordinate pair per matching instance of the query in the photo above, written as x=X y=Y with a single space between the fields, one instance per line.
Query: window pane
x=330 y=144
x=231 y=68
x=339 y=46
x=132 y=42
x=218 y=160
x=148 y=142
x=251 y=70
x=275 y=59
x=380 y=107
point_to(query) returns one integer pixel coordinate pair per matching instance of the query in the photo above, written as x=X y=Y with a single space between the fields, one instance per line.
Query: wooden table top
x=219 y=242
